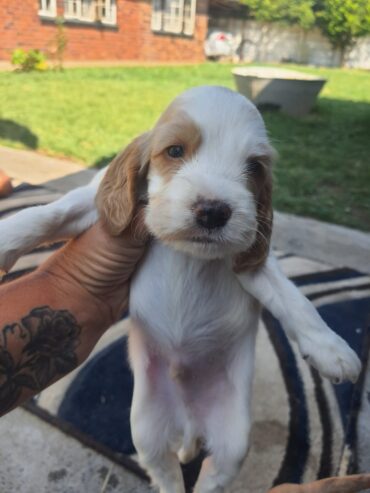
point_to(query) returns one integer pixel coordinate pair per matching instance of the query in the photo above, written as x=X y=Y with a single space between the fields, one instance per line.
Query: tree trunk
x=342 y=55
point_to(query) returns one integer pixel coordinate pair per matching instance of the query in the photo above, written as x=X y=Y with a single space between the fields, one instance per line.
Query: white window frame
x=189 y=20
x=104 y=11
x=157 y=13
x=174 y=16
x=107 y=11
x=48 y=8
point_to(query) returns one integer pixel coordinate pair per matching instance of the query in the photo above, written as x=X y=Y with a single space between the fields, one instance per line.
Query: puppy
x=204 y=172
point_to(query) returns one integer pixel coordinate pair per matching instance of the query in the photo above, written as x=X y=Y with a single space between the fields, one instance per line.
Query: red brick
x=20 y=25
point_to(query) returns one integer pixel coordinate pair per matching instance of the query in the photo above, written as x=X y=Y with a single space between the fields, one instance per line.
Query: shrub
x=28 y=61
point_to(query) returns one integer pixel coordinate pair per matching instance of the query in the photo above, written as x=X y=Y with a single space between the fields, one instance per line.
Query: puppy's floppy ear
x=260 y=183
x=118 y=193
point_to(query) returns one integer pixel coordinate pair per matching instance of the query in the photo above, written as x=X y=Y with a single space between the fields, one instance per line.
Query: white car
x=219 y=44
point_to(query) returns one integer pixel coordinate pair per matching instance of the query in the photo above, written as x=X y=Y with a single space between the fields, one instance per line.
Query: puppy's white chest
x=188 y=304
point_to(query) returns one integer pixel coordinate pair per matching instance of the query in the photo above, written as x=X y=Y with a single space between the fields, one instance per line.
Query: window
x=48 y=8
x=91 y=10
x=174 y=16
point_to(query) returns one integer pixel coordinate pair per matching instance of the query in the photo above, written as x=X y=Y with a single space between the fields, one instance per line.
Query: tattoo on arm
x=36 y=350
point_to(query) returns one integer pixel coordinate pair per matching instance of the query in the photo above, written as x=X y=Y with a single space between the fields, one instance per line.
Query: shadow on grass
x=103 y=161
x=11 y=130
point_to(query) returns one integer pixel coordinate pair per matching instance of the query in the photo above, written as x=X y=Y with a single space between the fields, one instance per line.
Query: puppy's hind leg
x=189 y=450
x=228 y=426
x=153 y=420
x=65 y=218
x=228 y=447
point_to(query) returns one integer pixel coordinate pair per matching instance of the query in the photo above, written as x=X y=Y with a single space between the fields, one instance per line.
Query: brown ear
x=260 y=183
x=118 y=193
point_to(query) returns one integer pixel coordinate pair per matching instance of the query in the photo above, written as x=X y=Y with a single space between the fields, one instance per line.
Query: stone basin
x=289 y=91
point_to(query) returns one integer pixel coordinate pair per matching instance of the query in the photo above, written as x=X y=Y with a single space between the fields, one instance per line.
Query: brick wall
x=132 y=39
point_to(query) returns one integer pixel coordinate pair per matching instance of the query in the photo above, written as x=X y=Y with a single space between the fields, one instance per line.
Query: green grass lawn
x=89 y=114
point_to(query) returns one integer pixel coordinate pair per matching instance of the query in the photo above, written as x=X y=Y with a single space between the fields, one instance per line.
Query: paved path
x=328 y=243
x=8 y=67
x=35 y=168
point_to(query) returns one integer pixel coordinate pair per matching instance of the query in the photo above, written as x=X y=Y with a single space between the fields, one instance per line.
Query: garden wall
x=277 y=43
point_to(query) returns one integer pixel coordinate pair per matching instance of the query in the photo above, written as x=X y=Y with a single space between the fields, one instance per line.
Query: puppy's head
x=207 y=163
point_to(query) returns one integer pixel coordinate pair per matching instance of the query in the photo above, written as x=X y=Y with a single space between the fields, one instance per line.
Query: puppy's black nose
x=211 y=214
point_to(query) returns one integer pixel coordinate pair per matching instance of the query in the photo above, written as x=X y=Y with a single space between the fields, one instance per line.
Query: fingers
x=348 y=484
x=5 y=185
x=287 y=488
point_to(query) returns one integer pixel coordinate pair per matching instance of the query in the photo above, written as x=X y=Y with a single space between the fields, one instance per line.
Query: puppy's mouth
x=206 y=246
x=202 y=240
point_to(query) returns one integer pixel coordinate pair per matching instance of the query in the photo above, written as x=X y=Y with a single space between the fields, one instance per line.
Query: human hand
x=97 y=267
x=347 y=484
x=51 y=319
x=5 y=185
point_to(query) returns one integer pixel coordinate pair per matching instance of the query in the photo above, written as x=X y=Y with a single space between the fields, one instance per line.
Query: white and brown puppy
x=205 y=170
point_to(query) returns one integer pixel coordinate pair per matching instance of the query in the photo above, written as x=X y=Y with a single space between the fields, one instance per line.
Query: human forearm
x=51 y=319
x=48 y=326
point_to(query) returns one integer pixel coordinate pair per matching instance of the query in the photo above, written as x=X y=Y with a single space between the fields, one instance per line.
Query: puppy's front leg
x=63 y=219
x=323 y=349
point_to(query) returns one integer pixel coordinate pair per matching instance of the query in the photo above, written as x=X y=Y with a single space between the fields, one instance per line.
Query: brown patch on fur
x=349 y=484
x=260 y=184
x=117 y=195
x=170 y=112
x=174 y=128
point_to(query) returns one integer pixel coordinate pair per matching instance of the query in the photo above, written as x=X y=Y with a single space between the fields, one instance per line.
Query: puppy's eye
x=175 y=152
x=254 y=165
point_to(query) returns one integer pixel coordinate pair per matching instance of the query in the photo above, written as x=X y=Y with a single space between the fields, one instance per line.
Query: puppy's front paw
x=7 y=260
x=330 y=355
x=15 y=237
x=8 y=253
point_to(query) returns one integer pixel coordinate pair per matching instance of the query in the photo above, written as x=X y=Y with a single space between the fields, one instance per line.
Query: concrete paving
x=8 y=67
x=35 y=168
x=329 y=243
x=36 y=457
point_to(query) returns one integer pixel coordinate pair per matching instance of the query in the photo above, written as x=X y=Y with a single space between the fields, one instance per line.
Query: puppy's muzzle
x=211 y=214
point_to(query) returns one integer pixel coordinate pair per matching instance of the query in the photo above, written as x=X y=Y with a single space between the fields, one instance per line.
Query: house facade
x=127 y=30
